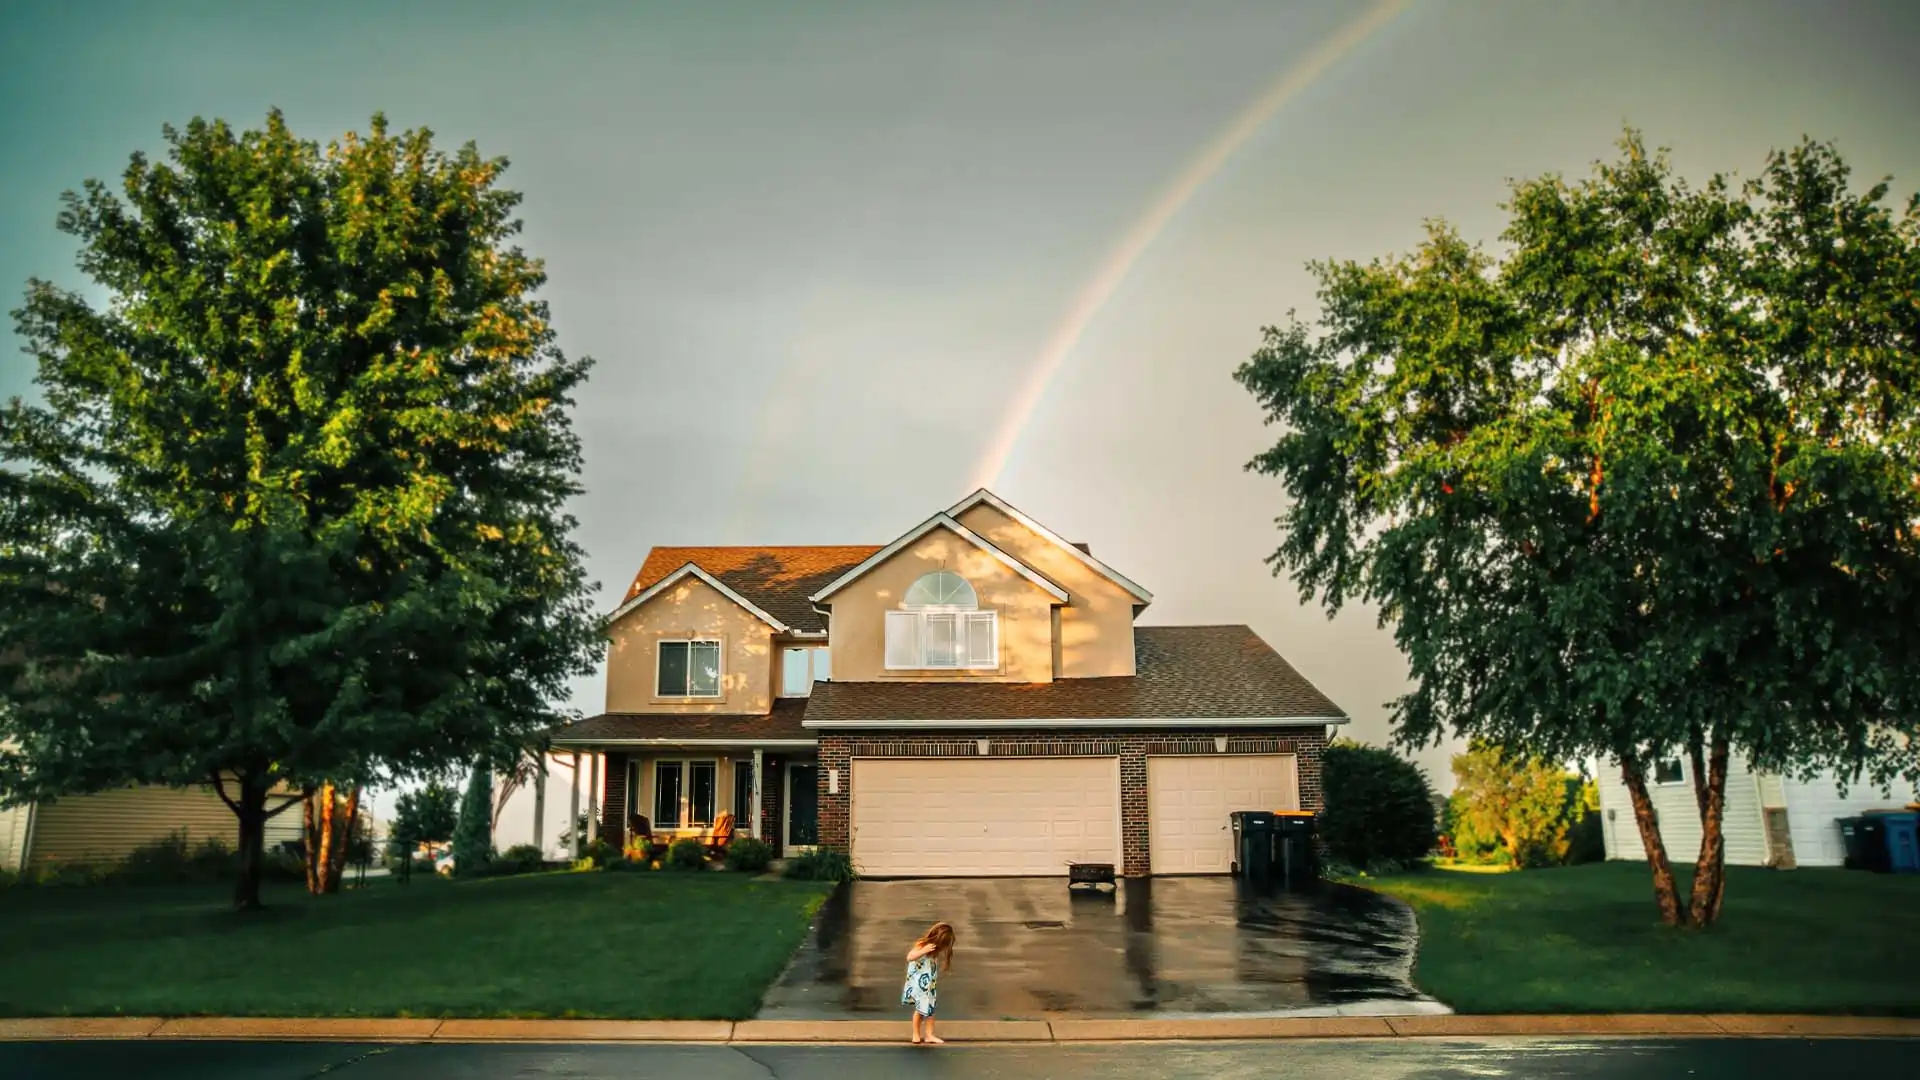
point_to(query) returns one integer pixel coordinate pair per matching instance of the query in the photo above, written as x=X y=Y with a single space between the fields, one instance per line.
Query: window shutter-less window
x=942 y=640
x=982 y=650
x=903 y=639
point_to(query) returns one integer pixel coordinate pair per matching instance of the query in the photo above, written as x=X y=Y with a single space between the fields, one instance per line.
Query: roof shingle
x=778 y=579
x=1181 y=672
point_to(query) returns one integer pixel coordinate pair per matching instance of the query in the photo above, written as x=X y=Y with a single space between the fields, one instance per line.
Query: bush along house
x=971 y=699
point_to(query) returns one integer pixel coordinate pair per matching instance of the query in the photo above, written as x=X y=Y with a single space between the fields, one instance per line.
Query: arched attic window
x=943 y=590
x=939 y=627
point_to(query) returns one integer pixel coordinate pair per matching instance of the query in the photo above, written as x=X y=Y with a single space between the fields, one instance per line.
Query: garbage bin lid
x=1293 y=813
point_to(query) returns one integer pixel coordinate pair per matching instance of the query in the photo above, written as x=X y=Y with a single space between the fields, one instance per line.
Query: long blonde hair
x=940 y=936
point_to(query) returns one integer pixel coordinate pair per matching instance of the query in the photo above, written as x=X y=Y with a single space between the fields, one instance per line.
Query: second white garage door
x=983 y=817
x=1189 y=798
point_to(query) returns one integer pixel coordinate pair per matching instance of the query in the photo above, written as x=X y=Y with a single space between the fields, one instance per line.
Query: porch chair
x=722 y=835
x=640 y=837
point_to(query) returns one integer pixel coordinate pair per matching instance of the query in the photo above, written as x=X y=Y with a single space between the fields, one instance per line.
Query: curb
x=1000 y=1032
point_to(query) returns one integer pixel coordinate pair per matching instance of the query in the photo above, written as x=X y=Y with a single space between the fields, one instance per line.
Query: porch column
x=540 y=802
x=573 y=813
x=593 y=799
x=759 y=766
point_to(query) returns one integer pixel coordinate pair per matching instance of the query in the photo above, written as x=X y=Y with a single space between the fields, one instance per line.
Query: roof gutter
x=1079 y=722
x=771 y=744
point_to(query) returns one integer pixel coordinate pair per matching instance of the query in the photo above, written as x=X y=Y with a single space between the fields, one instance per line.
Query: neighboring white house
x=1770 y=820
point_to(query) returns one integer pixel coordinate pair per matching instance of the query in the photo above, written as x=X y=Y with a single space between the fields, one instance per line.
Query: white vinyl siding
x=14 y=823
x=943 y=640
x=1813 y=809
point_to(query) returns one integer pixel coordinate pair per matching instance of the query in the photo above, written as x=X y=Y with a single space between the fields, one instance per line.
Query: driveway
x=1027 y=948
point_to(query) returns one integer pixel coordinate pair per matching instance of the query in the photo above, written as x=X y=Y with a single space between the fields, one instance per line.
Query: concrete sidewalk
x=969 y=1031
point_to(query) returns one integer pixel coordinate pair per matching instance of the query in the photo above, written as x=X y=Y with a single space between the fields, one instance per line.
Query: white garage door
x=984 y=817
x=1189 y=798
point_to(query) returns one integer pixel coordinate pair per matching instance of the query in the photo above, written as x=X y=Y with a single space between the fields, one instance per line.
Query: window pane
x=666 y=795
x=743 y=796
x=822 y=666
x=903 y=639
x=700 y=793
x=980 y=650
x=705 y=677
x=795 y=680
x=673 y=669
x=1667 y=772
x=943 y=641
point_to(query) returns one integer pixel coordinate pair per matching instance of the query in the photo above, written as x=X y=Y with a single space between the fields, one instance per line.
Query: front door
x=803 y=805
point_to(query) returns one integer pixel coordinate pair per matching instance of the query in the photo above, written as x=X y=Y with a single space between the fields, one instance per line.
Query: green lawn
x=634 y=946
x=1587 y=939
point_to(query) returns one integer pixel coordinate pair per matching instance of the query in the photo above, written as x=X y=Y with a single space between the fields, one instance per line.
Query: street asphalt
x=1380 y=1059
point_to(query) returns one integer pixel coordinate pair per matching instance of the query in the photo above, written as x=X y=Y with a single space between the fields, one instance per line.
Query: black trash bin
x=1253 y=844
x=1295 y=863
x=1864 y=840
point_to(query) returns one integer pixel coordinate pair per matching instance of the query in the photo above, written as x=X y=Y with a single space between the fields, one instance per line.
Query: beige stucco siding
x=690 y=609
x=103 y=827
x=859 y=613
x=1096 y=628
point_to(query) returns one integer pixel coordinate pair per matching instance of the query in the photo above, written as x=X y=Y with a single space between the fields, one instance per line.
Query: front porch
x=666 y=777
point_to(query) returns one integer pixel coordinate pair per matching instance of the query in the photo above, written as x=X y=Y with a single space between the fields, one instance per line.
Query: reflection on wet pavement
x=1028 y=948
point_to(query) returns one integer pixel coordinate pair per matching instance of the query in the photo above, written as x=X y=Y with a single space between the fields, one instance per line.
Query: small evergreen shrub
x=521 y=859
x=749 y=855
x=601 y=852
x=686 y=854
x=1379 y=808
x=821 y=864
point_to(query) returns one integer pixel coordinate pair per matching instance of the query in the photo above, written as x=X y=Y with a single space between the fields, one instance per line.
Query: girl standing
x=925 y=960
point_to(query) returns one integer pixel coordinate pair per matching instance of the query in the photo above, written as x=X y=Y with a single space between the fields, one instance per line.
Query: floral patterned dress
x=923 y=985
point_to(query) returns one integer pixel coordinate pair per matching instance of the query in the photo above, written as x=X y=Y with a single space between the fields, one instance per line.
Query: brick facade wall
x=1133 y=748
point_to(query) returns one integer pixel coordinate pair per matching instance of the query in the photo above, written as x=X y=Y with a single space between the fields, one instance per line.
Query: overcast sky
x=818 y=249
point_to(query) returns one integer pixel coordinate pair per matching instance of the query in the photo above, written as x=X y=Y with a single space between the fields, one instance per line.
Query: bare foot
x=936 y=1040
x=916 y=1040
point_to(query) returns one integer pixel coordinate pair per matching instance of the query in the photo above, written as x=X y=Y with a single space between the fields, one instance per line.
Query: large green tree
x=293 y=507
x=1644 y=485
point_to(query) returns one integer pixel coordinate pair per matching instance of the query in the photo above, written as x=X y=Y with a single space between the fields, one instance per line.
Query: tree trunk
x=251 y=809
x=308 y=840
x=343 y=842
x=1665 y=895
x=1710 y=870
x=1697 y=759
x=329 y=833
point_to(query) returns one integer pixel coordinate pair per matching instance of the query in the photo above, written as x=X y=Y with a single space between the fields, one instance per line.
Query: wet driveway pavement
x=1171 y=946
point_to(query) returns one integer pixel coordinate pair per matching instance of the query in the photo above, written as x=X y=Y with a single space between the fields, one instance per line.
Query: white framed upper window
x=939 y=628
x=801 y=667
x=688 y=669
x=1669 y=771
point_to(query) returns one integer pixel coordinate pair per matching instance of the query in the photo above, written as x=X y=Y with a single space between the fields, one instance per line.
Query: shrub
x=1524 y=806
x=686 y=854
x=749 y=855
x=627 y=866
x=821 y=864
x=171 y=860
x=521 y=859
x=8 y=880
x=1379 y=808
x=601 y=852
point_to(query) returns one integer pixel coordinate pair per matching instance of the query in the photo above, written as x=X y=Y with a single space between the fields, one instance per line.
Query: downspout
x=576 y=840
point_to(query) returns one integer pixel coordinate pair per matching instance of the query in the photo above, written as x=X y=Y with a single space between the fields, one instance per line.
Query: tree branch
x=282 y=808
x=220 y=789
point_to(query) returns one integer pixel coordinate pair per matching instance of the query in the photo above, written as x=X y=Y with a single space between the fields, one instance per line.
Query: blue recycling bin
x=1902 y=833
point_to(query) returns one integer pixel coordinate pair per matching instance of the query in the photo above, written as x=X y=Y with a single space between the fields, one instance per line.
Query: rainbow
x=1113 y=270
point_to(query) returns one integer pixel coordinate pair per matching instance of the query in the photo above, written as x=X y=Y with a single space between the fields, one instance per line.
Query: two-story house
x=971 y=699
